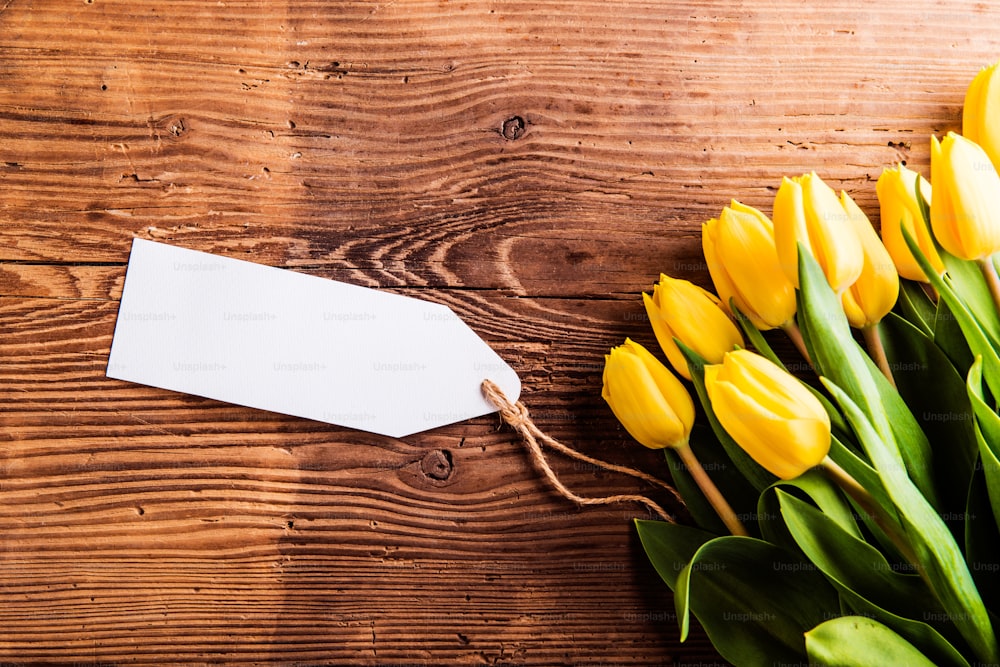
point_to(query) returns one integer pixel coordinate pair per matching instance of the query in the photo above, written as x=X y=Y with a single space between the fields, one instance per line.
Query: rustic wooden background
x=534 y=165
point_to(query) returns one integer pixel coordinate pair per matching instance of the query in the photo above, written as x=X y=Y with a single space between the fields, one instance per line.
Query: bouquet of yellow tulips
x=846 y=511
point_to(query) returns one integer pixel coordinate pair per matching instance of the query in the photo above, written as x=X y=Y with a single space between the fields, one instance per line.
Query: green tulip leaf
x=936 y=552
x=982 y=542
x=835 y=353
x=818 y=488
x=869 y=480
x=837 y=356
x=949 y=337
x=915 y=306
x=979 y=341
x=856 y=641
x=670 y=546
x=861 y=470
x=754 y=335
x=755 y=600
x=821 y=490
x=919 y=633
x=867 y=581
x=936 y=394
x=850 y=562
x=987 y=435
x=966 y=278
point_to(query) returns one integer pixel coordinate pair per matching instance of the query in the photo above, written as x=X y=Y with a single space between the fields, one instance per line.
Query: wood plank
x=531 y=165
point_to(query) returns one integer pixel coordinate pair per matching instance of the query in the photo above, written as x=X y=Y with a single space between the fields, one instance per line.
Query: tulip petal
x=699 y=320
x=973 y=109
x=724 y=283
x=665 y=335
x=790 y=227
x=982 y=111
x=652 y=405
x=836 y=249
x=965 y=211
x=807 y=212
x=680 y=309
x=672 y=389
x=899 y=209
x=942 y=207
x=762 y=291
x=784 y=447
x=874 y=293
x=778 y=391
x=638 y=404
x=769 y=413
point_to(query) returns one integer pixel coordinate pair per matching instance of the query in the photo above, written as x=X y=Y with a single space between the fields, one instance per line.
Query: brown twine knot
x=516 y=416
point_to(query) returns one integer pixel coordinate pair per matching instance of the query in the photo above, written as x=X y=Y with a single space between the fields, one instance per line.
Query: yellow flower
x=874 y=293
x=807 y=211
x=965 y=211
x=649 y=401
x=981 y=115
x=897 y=198
x=682 y=310
x=743 y=262
x=769 y=413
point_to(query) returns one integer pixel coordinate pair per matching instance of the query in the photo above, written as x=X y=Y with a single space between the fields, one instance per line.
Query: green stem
x=989 y=270
x=791 y=329
x=711 y=491
x=873 y=340
x=931 y=293
x=870 y=507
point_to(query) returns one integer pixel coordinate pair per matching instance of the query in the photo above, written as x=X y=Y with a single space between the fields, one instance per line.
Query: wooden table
x=533 y=165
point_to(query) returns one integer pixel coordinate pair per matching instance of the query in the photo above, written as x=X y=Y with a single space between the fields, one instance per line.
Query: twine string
x=516 y=416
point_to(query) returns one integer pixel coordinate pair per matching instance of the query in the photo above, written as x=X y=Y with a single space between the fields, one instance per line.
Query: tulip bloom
x=743 y=262
x=897 y=198
x=965 y=211
x=650 y=402
x=873 y=294
x=981 y=115
x=769 y=413
x=682 y=310
x=807 y=211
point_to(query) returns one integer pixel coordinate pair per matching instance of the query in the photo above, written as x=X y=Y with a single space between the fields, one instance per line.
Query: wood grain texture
x=532 y=165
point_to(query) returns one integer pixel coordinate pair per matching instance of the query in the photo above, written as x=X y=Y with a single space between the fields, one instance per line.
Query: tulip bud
x=743 y=262
x=682 y=310
x=873 y=294
x=981 y=115
x=649 y=401
x=769 y=413
x=808 y=212
x=897 y=198
x=965 y=211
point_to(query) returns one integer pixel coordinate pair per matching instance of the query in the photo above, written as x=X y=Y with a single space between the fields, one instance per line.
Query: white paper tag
x=301 y=345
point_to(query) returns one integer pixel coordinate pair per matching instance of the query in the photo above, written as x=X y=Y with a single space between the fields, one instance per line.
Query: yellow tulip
x=743 y=263
x=981 y=115
x=873 y=294
x=965 y=211
x=649 y=401
x=769 y=413
x=897 y=198
x=807 y=211
x=682 y=310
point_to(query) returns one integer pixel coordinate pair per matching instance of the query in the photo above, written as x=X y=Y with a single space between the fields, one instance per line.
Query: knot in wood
x=437 y=464
x=513 y=128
